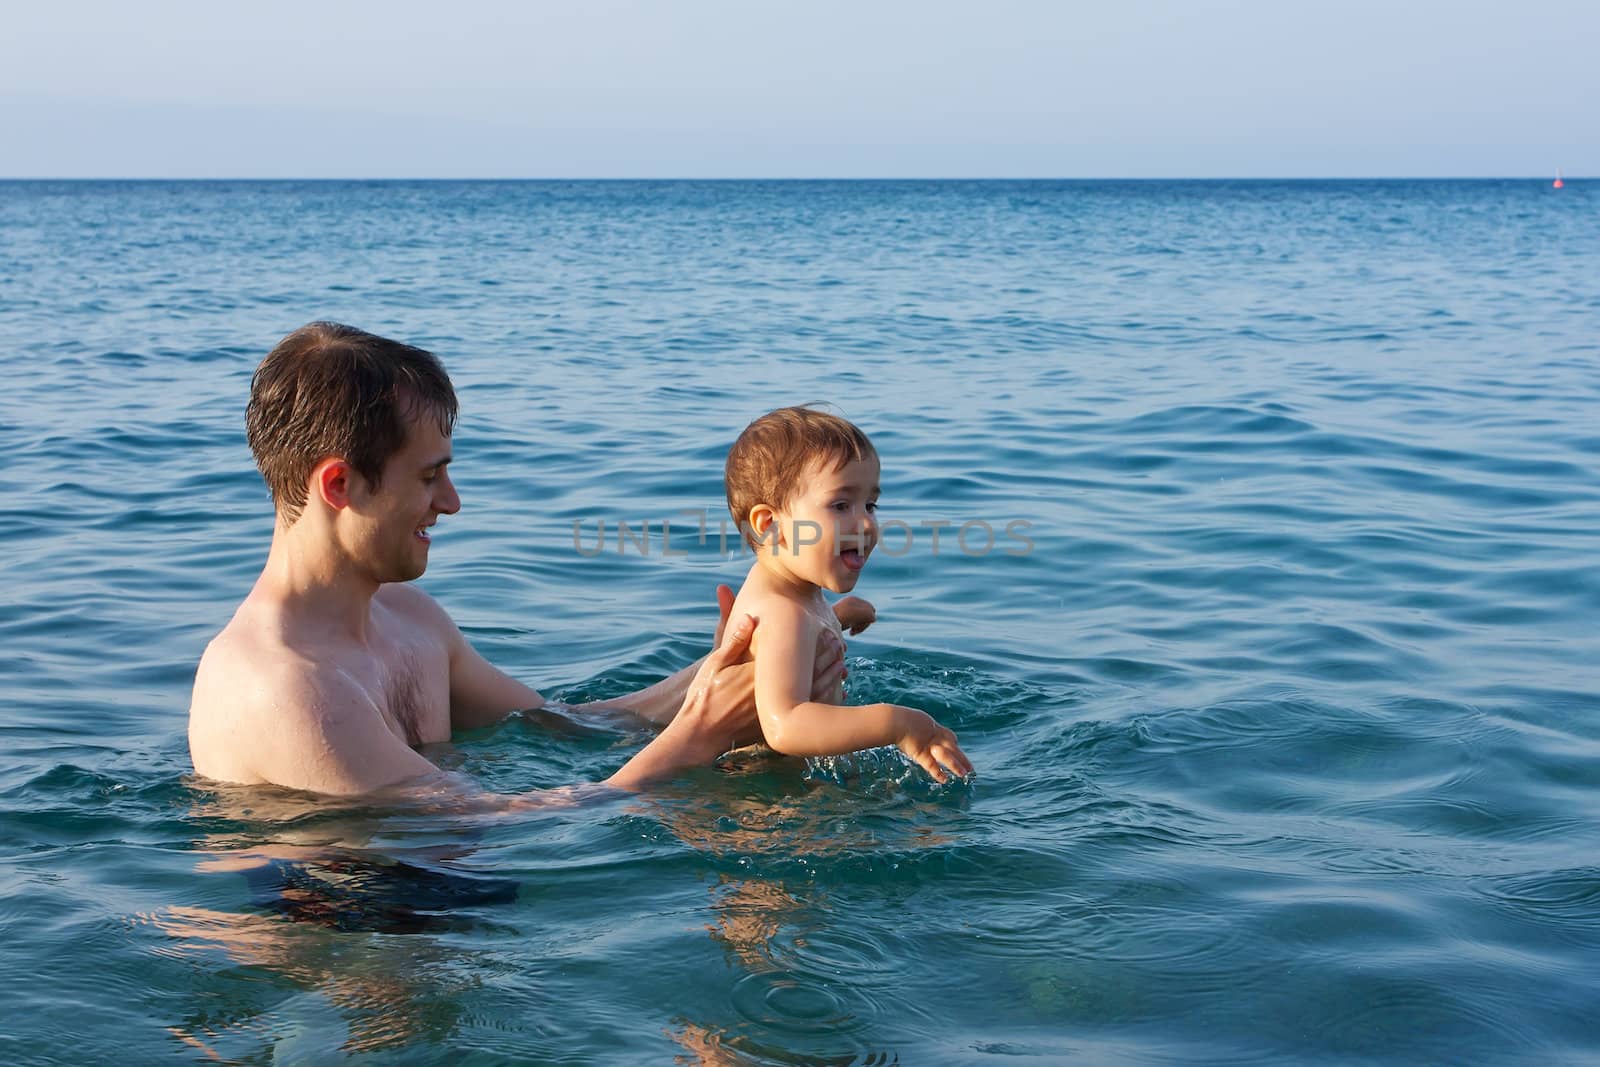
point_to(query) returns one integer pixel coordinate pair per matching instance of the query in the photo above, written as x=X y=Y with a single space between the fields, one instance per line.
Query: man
x=334 y=668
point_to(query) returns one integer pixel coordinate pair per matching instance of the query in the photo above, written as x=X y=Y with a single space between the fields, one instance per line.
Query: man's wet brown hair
x=766 y=462
x=333 y=390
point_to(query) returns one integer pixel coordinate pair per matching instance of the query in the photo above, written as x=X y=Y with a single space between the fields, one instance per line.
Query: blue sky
x=760 y=88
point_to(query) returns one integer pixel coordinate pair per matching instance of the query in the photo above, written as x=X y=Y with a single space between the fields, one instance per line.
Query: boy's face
x=829 y=526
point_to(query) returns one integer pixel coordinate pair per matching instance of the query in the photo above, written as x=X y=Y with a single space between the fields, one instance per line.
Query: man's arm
x=704 y=726
x=480 y=693
x=327 y=736
x=734 y=686
x=658 y=703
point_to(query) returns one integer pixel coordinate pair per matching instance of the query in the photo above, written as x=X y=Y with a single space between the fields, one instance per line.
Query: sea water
x=1244 y=531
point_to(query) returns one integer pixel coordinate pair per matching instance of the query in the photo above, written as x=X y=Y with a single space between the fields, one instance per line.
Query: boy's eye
x=872 y=505
x=841 y=505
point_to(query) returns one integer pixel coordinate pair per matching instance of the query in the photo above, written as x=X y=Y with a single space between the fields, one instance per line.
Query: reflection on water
x=775 y=928
x=356 y=937
x=749 y=913
x=385 y=992
x=321 y=913
x=708 y=1047
x=313 y=859
x=371 y=892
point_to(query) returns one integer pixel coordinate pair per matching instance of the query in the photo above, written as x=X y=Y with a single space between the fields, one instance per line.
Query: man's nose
x=448 y=501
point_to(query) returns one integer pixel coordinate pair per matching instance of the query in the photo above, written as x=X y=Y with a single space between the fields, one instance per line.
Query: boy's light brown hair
x=767 y=461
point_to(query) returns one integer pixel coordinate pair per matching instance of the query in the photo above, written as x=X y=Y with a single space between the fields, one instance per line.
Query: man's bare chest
x=408 y=678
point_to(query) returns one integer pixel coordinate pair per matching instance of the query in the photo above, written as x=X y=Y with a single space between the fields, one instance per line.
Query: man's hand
x=827 y=671
x=707 y=724
x=734 y=689
x=725 y=600
x=854 y=614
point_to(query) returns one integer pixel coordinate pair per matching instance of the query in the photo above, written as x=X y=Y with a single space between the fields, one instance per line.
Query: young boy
x=803 y=487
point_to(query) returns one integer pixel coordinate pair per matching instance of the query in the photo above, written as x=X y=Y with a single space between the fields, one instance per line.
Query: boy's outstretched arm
x=795 y=724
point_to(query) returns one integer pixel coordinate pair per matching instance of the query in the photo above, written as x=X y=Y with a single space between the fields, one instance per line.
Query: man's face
x=414 y=491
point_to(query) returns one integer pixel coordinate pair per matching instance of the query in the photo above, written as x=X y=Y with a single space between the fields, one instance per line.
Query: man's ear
x=764 y=524
x=332 y=480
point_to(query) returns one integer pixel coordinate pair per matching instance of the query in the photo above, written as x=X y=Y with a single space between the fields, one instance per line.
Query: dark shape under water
x=373 y=894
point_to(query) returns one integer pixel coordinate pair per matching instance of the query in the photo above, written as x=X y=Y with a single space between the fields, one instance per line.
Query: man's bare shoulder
x=266 y=713
x=244 y=665
x=256 y=646
x=257 y=693
x=774 y=607
x=418 y=609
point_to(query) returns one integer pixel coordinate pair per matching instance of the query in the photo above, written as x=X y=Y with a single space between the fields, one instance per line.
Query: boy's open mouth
x=853 y=558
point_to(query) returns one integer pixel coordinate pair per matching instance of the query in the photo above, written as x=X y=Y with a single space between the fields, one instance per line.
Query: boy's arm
x=854 y=614
x=799 y=726
x=732 y=687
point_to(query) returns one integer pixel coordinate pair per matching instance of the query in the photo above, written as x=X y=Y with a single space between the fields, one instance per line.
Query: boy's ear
x=763 y=522
x=332 y=480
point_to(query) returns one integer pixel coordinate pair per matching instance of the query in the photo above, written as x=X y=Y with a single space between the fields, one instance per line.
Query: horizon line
x=776 y=178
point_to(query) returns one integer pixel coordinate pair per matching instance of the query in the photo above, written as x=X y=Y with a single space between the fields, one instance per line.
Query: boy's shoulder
x=776 y=608
x=760 y=599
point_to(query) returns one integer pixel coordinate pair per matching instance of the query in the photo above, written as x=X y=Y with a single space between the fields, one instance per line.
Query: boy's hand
x=931 y=746
x=854 y=614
